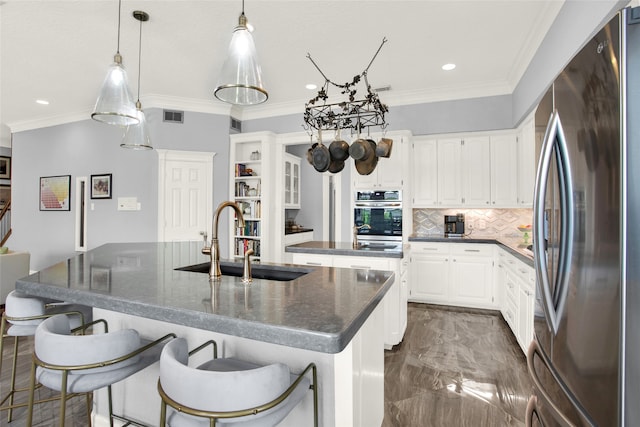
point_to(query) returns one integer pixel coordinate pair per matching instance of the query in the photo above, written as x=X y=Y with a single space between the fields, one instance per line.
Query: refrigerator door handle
x=561 y=418
x=553 y=309
x=532 y=410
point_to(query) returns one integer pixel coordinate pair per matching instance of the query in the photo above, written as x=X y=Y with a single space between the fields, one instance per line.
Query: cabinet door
x=287 y=182
x=471 y=280
x=390 y=169
x=425 y=173
x=449 y=172
x=476 y=172
x=312 y=259
x=295 y=184
x=526 y=164
x=429 y=278
x=504 y=171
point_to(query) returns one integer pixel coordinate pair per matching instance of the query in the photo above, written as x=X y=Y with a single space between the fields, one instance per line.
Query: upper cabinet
x=504 y=171
x=389 y=172
x=291 y=181
x=526 y=163
x=474 y=171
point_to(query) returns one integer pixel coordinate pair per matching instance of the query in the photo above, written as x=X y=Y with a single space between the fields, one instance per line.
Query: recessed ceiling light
x=311 y=86
x=448 y=67
x=42 y=101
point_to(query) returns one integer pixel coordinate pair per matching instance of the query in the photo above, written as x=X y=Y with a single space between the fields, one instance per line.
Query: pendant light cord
x=139 y=58
x=119 y=14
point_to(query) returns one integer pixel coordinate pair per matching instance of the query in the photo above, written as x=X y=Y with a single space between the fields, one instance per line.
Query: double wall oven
x=378 y=216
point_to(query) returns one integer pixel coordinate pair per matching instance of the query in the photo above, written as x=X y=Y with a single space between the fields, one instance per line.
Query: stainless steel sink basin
x=268 y=272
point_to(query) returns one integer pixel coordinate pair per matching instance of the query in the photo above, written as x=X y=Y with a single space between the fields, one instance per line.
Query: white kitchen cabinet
x=450 y=172
x=424 y=162
x=395 y=301
x=476 y=171
x=526 y=163
x=312 y=259
x=457 y=274
x=504 y=170
x=389 y=172
x=429 y=276
x=464 y=174
x=519 y=297
x=291 y=181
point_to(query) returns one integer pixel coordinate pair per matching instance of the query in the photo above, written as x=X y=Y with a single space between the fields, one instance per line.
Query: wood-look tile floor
x=454 y=368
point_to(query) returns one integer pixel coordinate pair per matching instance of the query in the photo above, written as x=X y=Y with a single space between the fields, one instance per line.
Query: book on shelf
x=243 y=245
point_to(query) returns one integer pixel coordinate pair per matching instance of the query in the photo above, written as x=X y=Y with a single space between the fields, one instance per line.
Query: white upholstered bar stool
x=227 y=391
x=23 y=313
x=75 y=364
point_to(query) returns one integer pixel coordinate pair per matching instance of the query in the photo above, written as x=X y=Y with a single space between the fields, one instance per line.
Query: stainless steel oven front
x=378 y=215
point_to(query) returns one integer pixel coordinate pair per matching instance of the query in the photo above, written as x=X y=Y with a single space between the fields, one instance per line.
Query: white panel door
x=185 y=195
x=449 y=172
x=476 y=171
x=504 y=171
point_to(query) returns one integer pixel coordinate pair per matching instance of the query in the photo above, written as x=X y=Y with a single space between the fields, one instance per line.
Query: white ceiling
x=59 y=50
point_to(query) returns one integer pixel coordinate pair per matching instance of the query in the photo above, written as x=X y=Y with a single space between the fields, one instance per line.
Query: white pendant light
x=136 y=136
x=240 y=81
x=115 y=102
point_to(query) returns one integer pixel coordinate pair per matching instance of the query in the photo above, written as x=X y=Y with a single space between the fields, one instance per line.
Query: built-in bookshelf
x=248 y=191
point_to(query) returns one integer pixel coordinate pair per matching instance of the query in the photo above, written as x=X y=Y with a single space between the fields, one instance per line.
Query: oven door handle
x=377 y=205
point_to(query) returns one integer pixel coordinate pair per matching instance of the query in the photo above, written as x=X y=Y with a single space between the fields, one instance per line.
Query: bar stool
x=23 y=313
x=82 y=364
x=228 y=391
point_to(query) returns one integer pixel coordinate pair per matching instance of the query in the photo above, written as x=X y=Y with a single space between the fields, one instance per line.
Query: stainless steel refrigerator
x=585 y=357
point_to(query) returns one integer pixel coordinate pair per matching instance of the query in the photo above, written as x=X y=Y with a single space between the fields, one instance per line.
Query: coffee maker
x=454 y=225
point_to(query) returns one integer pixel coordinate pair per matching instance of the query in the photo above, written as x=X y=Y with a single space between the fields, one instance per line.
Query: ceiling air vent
x=173 y=116
x=236 y=125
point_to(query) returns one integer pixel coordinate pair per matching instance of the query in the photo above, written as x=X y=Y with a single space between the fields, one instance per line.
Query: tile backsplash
x=478 y=222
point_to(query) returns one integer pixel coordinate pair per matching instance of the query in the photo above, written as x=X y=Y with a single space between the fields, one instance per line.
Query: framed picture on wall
x=5 y=167
x=55 y=192
x=101 y=186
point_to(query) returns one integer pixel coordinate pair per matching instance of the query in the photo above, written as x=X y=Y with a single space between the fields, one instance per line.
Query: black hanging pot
x=364 y=154
x=339 y=150
x=321 y=157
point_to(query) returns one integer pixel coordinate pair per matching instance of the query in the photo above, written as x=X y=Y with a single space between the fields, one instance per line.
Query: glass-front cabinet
x=291 y=181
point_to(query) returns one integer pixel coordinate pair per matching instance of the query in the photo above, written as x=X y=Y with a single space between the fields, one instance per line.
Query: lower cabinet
x=457 y=274
x=517 y=281
x=395 y=301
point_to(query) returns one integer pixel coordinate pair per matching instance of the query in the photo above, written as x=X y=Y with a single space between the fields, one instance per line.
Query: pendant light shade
x=240 y=81
x=115 y=103
x=136 y=137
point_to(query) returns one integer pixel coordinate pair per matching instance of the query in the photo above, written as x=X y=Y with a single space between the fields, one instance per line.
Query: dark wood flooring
x=454 y=368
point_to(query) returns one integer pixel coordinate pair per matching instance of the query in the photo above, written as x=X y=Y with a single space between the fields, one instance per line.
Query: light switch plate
x=128 y=204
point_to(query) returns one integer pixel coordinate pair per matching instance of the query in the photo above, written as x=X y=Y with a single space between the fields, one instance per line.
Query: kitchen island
x=329 y=316
x=388 y=256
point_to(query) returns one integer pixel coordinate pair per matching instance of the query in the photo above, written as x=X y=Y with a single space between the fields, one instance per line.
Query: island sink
x=279 y=273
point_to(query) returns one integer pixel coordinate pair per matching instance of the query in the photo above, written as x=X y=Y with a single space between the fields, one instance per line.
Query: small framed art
x=54 y=193
x=5 y=167
x=101 y=186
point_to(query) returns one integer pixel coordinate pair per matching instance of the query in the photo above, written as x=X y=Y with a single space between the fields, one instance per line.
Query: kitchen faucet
x=355 y=233
x=214 y=249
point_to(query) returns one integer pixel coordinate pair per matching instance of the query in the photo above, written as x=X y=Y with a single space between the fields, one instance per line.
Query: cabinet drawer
x=365 y=263
x=312 y=259
x=478 y=249
x=430 y=248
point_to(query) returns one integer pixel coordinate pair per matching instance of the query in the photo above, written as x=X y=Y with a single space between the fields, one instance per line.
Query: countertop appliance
x=585 y=356
x=454 y=225
x=377 y=216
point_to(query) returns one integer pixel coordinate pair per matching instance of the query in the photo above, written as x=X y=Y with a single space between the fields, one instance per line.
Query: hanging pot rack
x=355 y=114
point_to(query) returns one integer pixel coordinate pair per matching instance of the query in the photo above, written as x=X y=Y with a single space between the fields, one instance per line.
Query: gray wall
x=88 y=147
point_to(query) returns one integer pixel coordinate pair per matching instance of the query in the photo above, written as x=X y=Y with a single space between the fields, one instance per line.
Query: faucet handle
x=246 y=273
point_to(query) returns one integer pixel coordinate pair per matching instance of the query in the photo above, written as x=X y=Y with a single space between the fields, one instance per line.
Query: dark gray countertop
x=320 y=311
x=346 y=248
x=515 y=246
x=289 y=230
